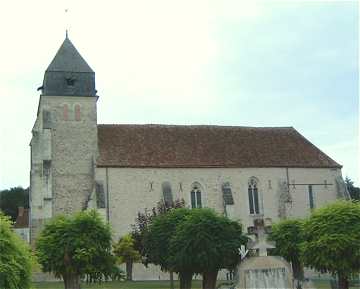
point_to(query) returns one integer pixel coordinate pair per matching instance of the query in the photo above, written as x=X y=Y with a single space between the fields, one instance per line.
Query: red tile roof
x=174 y=146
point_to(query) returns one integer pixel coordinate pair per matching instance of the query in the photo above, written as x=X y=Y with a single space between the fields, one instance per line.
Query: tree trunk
x=298 y=272
x=172 y=280
x=185 y=280
x=129 y=267
x=71 y=281
x=209 y=279
x=343 y=281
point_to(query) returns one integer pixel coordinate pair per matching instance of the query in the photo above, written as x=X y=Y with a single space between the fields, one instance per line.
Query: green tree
x=205 y=242
x=125 y=251
x=157 y=239
x=141 y=228
x=332 y=240
x=288 y=236
x=74 y=246
x=15 y=258
x=353 y=191
x=13 y=198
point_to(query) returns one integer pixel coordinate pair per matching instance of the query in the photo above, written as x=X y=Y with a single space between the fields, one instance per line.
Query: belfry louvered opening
x=227 y=194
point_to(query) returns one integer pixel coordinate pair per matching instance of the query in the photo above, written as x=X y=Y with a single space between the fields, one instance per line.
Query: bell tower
x=64 y=139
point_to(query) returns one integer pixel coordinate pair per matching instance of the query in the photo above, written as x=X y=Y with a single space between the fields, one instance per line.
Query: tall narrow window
x=46 y=167
x=253 y=197
x=227 y=194
x=167 y=194
x=66 y=112
x=311 y=197
x=77 y=112
x=46 y=119
x=100 y=195
x=195 y=195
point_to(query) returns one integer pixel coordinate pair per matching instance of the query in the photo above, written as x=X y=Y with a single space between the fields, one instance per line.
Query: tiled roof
x=173 y=146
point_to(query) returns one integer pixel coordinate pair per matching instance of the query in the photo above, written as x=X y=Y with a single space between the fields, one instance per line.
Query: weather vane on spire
x=67 y=21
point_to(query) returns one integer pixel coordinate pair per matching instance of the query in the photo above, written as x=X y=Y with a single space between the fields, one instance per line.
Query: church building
x=246 y=173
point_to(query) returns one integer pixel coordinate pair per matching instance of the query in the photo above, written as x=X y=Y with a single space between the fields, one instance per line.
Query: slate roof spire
x=68 y=73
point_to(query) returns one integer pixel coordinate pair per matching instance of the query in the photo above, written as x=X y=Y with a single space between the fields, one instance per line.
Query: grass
x=325 y=284
x=118 y=285
x=319 y=284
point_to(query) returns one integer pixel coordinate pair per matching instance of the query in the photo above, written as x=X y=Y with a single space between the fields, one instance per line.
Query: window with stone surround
x=227 y=194
x=77 y=112
x=253 y=194
x=167 y=194
x=100 y=195
x=195 y=196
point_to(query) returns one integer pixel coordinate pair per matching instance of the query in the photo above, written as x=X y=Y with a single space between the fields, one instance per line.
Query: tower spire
x=67 y=23
x=69 y=74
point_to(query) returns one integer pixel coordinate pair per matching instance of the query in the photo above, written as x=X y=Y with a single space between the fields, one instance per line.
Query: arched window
x=77 y=112
x=227 y=194
x=66 y=112
x=195 y=195
x=167 y=194
x=253 y=196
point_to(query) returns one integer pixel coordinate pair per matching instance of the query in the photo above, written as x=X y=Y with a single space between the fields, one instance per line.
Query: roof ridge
x=195 y=125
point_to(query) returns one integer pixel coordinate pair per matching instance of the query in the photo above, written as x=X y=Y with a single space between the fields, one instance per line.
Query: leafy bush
x=15 y=258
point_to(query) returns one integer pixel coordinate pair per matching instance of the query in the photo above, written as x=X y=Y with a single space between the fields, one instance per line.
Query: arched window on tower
x=253 y=196
x=195 y=196
x=66 y=112
x=167 y=194
x=77 y=112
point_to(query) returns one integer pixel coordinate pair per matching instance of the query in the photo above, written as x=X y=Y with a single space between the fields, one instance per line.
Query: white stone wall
x=71 y=147
x=133 y=189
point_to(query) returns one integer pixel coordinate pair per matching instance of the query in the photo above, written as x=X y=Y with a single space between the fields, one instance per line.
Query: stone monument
x=263 y=271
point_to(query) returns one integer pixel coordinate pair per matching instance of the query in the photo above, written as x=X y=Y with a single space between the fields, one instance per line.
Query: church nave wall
x=133 y=189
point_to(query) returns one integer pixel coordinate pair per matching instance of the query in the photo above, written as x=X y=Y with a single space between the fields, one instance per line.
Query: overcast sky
x=284 y=63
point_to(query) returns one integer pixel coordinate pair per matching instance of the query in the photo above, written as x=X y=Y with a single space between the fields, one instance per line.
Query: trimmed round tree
x=205 y=242
x=288 y=236
x=15 y=258
x=156 y=243
x=74 y=246
x=332 y=240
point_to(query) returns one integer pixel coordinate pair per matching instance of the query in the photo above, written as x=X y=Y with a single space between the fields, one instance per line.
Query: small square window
x=70 y=81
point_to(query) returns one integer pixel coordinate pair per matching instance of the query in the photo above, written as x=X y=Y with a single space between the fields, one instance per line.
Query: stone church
x=246 y=173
